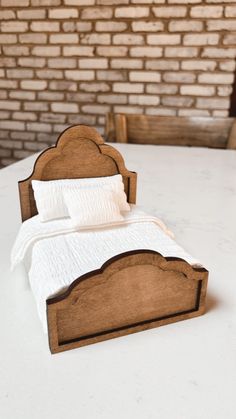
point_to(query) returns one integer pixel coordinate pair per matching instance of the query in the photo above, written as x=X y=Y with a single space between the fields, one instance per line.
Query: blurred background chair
x=165 y=130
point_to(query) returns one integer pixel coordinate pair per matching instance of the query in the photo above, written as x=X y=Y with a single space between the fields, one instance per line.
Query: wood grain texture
x=80 y=152
x=131 y=292
x=163 y=130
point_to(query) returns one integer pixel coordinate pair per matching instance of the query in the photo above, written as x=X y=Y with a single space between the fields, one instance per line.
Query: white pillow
x=49 y=194
x=92 y=207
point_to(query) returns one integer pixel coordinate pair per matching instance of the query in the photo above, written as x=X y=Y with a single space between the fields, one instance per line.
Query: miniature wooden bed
x=133 y=291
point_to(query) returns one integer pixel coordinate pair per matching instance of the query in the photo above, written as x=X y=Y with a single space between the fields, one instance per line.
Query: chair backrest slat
x=163 y=130
x=231 y=144
x=121 y=128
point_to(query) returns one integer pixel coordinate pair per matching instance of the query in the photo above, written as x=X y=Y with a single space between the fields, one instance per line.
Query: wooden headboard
x=80 y=152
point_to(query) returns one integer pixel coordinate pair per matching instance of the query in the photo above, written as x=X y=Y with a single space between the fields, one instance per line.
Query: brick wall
x=68 y=62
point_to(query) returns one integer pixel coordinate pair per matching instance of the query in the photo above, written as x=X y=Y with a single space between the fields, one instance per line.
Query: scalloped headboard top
x=80 y=152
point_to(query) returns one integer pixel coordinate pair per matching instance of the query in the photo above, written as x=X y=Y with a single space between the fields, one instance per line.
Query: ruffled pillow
x=90 y=207
x=50 y=199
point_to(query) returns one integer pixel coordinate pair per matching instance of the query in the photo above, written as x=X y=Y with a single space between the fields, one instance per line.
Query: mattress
x=59 y=254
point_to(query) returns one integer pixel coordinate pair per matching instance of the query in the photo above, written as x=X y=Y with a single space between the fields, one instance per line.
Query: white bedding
x=59 y=254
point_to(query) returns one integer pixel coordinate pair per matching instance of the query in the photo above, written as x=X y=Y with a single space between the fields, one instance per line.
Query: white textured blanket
x=59 y=254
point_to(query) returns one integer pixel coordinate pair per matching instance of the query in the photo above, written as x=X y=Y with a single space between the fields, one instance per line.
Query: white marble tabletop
x=185 y=370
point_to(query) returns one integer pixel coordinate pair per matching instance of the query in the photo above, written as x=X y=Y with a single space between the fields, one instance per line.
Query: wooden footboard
x=131 y=292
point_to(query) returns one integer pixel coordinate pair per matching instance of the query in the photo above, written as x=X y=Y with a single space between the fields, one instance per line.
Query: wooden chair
x=165 y=130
